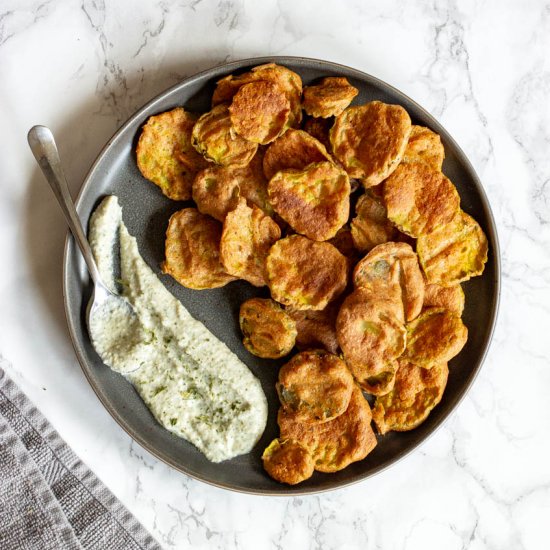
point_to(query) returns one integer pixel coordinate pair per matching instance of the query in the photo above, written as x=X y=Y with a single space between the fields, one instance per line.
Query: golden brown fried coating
x=370 y=140
x=315 y=386
x=448 y=297
x=316 y=329
x=420 y=199
x=314 y=201
x=394 y=264
x=192 y=250
x=383 y=381
x=415 y=393
x=214 y=138
x=424 y=146
x=217 y=190
x=454 y=252
x=268 y=330
x=259 y=112
x=288 y=81
x=165 y=155
x=372 y=335
x=294 y=149
x=319 y=128
x=371 y=226
x=286 y=461
x=248 y=234
x=435 y=336
x=337 y=443
x=305 y=274
x=329 y=98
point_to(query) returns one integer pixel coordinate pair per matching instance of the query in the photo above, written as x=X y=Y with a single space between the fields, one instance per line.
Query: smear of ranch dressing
x=192 y=383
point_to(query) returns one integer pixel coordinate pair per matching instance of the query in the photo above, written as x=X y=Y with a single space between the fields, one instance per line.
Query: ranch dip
x=193 y=384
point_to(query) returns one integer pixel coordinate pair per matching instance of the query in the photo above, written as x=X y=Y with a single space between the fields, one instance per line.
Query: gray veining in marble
x=481 y=67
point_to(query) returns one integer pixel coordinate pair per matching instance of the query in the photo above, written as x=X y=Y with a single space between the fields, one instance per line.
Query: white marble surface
x=481 y=67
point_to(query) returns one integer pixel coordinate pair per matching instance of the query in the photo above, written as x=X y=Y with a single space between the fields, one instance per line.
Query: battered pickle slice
x=435 y=336
x=294 y=149
x=370 y=226
x=268 y=331
x=214 y=138
x=286 y=461
x=288 y=81
x=329 y=98
x=259 y=112
x=217 y=190
x=393 y=264
x=447 y=297
x=319 y=128
x=314 y=201
x=415 y=393
x=316 y=329
x=425 y=146
x=248 y=234
x=315 y=386
x=370 y=140
x=383 y=381
x=192 y=251
x=305 y=274
x=372 y=335
x=454 y=252
x=165 y=155
x=337 y=443
x=420 y=199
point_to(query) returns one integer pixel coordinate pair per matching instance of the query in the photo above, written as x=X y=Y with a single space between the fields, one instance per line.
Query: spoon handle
x=42 y=144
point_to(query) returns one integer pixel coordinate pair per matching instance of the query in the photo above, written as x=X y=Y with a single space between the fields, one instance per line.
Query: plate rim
x=492 y=237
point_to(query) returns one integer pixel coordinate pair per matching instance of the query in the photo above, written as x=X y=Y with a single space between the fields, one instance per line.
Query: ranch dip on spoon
x=194 y=385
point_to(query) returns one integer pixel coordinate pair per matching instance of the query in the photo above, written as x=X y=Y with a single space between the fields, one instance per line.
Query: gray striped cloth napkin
x=48 y=498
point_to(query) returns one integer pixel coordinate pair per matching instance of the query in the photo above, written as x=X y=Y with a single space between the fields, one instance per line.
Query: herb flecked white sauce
x=192 y=383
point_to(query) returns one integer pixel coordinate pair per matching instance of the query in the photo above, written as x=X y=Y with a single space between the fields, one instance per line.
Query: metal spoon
x=42 y=144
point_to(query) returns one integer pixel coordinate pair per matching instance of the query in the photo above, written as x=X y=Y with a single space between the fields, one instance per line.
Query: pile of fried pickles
x=344 y=213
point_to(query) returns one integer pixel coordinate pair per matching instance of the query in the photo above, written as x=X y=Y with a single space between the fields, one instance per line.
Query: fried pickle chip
x=314 y=201
x=454 y=252
x=371 y=333
x=435 y=336
x=371 y=226
x=165 y=155
x=370 y=140
x=268 y=330
x=337 y=443
x=305 y=274
x=425 y=146
x=448 y=297
x=192 y=250
x=217 y=190
x=415 y=393
x=294 y=149
x=393 y=264
x=259 y=112
x=420 y=199
x=286 y=461
x=315 y=386
x=319 y=128
x=316 y=329
x=214 y=138
x=383 y=381
x=248 y=234
x=329 y=98
x=288 y=81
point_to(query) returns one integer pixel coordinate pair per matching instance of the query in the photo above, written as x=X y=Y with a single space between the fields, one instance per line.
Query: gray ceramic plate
x=146 y=212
